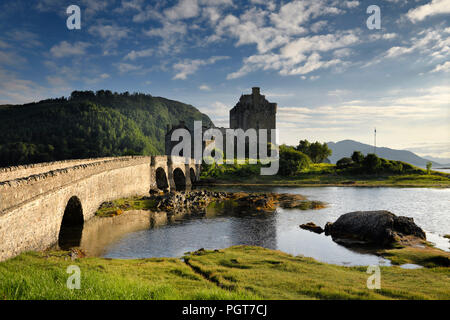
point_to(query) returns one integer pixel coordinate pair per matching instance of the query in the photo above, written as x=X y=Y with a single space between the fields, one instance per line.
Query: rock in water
x=310 y=226
x=373 y=227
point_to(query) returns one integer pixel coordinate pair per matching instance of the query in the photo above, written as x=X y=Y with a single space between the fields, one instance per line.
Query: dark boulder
x=372 y=227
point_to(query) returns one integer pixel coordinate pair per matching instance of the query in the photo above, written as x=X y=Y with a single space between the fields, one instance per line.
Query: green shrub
x=317 y=152
x=393 y=167
x=292 y=162
x=372 y=163
x=344 y=163
x=429 y=165
x=357 y=157
x=234 y=170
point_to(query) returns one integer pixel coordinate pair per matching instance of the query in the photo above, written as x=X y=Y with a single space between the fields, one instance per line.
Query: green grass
x=43 y=276
x=240 y=272
x=323 y=175
x=276 y=275
x=118 y=206
x=428 y=257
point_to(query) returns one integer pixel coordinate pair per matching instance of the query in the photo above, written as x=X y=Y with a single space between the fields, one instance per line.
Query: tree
x=303 y=146
x=429 y=165
x=344 y=163
x=357 y=157
x=316 y=151
x=292 y=162
x=372 y=163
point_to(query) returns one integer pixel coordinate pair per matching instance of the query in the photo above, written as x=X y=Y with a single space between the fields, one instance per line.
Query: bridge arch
x=72 y=223
x=180 y=179
x=161 y=179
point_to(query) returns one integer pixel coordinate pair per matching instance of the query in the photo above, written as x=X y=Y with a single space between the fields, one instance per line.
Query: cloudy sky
x=331 y=76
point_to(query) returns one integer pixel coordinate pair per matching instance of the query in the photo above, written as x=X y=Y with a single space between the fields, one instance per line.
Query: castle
x=252 y=111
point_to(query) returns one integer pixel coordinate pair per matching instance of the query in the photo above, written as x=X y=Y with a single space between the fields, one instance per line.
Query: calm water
x=280 y=230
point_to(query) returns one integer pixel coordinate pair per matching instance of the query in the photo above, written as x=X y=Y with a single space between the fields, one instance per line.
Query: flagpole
x=375 y=142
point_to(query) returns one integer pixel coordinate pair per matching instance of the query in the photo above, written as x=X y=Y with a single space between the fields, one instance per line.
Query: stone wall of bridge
x=32 y=207
x=15 y=172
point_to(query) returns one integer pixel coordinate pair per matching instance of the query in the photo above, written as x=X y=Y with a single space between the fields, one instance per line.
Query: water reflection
x=98 y=233
x=136 y=236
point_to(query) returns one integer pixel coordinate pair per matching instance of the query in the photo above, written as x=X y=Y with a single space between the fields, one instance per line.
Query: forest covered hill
x=88 y=125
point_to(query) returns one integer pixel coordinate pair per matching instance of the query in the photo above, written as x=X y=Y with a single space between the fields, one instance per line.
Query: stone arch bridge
x=40 y=203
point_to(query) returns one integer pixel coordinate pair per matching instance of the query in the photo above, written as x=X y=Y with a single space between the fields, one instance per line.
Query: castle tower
x=253 y=111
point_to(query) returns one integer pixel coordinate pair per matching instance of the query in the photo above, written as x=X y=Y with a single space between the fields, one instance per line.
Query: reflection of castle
x=252 y=111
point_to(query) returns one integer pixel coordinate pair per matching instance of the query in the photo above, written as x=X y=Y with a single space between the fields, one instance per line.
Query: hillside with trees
x=89 y=124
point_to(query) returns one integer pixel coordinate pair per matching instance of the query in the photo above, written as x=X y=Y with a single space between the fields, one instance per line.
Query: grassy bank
x=322 y=175
x=240 y=272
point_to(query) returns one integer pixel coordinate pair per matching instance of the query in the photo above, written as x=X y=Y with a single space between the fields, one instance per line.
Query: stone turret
x=253 y=111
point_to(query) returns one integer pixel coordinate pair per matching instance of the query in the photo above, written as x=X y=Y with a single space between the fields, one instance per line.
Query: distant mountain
x=445 y=162
x=345 y=148
x=88 y=125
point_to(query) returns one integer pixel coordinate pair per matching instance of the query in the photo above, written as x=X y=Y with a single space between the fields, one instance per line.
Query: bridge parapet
x=15 y=172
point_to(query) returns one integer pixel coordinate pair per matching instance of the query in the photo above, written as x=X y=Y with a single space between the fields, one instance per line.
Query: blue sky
x=331 y=76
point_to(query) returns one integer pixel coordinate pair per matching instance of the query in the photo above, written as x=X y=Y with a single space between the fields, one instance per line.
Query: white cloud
x=383 y=36
x=96 y=79
x=94 y=7
x=319 y=25
x=127 y=5
x=11 y=59
x=319 y=43
x=432 y=42
x=293 y=15
x=172 y=34
x=445 y=67
x=14 y=90
x=342 y=53
x=398 y=51
x=279 y=36
x=300 y=56
x=394 y=115
x=133 y=55
x=4 y=44
x=218 y=111
x=338 y=93
x=432 y=8
x=147 y=14
x=185 y=9
x=111 y=34
x=89 y=7
x=65 y=49
x=25 y=38
x=188 y=66
x=127 y=67
x=204 y=87
x=351 y=4
x=169 y=29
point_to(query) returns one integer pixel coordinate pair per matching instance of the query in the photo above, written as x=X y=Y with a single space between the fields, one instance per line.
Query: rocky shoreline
x=197 y=201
